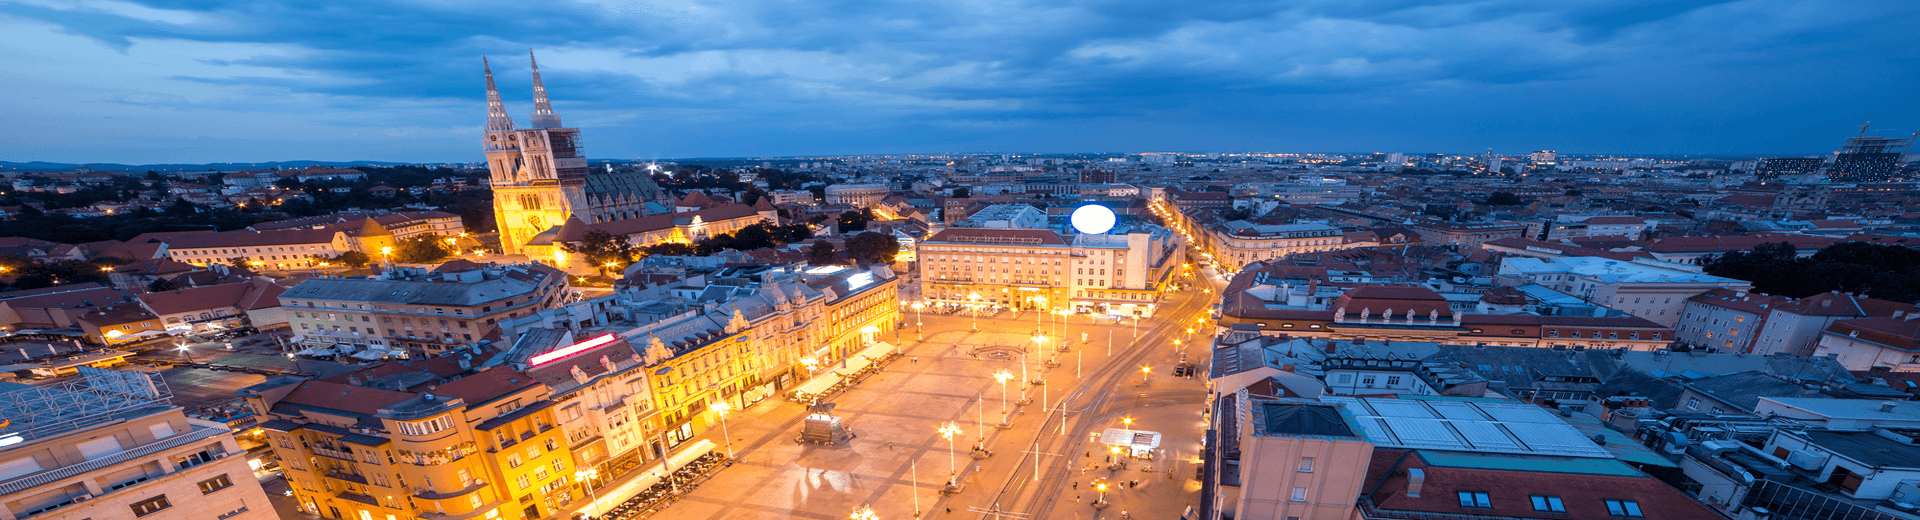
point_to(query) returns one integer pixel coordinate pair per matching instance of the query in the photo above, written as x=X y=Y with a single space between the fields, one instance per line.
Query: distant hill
x=42 y=166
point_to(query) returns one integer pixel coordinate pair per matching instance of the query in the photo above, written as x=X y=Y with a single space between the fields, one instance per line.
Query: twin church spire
x=497 y=118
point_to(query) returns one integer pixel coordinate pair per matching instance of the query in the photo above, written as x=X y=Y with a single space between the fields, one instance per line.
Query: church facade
x=540 y=175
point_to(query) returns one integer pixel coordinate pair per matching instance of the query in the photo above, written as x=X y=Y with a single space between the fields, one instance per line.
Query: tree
x=602 y=248
x=423 y=249
x=161 y=285
x=852 y=221
x=1444 y=211
x=823 y=254
x=962 y=192
x=354 y=259
x=873 y=248
x=670 y=249
x=1501 y=198
x=1573 y=192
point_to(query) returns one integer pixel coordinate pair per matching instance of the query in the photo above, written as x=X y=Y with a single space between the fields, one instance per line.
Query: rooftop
x=1300 y=418
x=1471 y=425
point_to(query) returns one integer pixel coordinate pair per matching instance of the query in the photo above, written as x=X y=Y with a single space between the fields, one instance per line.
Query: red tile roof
x=487 y=385
x=344 y=397
x=1509 y=492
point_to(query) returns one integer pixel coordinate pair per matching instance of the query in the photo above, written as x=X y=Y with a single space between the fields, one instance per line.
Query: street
x=899 y=461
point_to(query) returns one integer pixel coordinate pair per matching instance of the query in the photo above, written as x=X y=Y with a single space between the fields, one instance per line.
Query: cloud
x=348 y=79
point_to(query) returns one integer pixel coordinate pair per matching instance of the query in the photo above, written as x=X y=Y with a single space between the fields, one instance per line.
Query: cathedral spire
x=497 y=118
x=543 y=116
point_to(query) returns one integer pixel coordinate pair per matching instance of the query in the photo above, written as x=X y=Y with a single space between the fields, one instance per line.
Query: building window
x=1693 y=403
x=1548 y=504
x=151 y=505
x=1299 y=494
x=1474 y=499
x=1306 y=464
x=1367 y=380
x=1393 y=380
x=215 y=484
x=1623 y=508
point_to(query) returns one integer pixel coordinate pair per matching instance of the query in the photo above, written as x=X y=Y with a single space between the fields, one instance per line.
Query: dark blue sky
x=142 y=81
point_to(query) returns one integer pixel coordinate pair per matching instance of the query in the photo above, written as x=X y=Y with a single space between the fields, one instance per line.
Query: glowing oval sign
x=1093 y=219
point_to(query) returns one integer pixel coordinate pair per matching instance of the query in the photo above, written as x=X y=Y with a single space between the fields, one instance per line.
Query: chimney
x=1286 y=368
x=1416 y=478
x=1886 y=407
x=1331 y=348
x=354 y=380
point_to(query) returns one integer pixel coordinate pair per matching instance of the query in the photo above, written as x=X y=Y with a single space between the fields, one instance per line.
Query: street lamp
x=1100 y=503
x=1127 y=422
x=1002 y=376
x=948 y=432
x=974 y=310
x=721 y=408
x=919 y=325
x=1144 y=372
x=585 y=478
x=864 y=513
x=386 y=255
x=186 y=352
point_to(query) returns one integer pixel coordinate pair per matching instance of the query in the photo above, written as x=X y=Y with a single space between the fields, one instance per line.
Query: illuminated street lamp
x=721 y=408
x=1100 y=503
x=1144 y=372
x=975 y=307
x=948 y=432
x=1002 y=376
x=386 y=255
x=585 y=478
x=864 y=513
x=918 y=325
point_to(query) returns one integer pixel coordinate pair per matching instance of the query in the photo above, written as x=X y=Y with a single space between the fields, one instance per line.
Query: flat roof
x=1469 y=426
x=1299 y=418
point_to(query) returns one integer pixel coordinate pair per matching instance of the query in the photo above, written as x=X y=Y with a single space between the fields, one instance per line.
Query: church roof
x=574 y=230
x=695 y=199
x=628 y=182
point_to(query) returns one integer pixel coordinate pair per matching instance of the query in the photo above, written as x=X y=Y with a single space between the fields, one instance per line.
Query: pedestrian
x=889 y=445
x=1076 y=485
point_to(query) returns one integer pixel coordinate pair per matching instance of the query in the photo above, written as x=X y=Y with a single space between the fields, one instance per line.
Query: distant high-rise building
x=1778 y=167
x=1867 y=158
x=1098 y=176
x=1545 y=157
x=540 y=176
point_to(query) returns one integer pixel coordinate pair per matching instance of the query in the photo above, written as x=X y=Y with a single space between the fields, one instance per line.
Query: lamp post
x=1039 y=344
x=918 y=321
x=948 y=432
x=186 y=352
x=866 y=513
x=1144 y=371
x=973 y=310
x=721 y=408
x=1002 y=376
x=1100 y=503
x=585 y=478
x=386 y=255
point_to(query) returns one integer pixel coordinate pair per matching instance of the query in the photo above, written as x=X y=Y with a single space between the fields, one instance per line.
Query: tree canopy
x=1501 y=198
x=1886 y=272
x=422 y=249
x=873 y=248
x=604 y=250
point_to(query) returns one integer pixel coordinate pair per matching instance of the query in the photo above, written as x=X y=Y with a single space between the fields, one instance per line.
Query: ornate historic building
x=540 y=174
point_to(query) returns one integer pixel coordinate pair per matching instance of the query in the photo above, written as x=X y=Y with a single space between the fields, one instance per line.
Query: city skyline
x=125 y=82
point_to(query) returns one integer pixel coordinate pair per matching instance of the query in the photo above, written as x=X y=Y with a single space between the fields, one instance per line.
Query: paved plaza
x=899 y=456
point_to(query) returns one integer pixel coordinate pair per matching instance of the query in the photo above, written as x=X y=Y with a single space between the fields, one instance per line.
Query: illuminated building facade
x=110 y=445
x=435 y=441
x=407 y=309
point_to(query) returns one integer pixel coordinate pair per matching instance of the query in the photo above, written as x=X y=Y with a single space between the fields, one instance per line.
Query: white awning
x=854 y=365
x=819 y=384
x=879 y=350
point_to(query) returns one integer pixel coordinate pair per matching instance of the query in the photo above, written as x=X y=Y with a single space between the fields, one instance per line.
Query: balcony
x=356 y=497
x=344 y=453
x=428 y=494
x=47 y=477
x=347 y=477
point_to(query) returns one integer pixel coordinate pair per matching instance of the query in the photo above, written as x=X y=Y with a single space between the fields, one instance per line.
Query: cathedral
x=540 y=175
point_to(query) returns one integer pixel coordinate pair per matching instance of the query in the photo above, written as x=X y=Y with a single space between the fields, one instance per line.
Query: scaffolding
x=30 y=412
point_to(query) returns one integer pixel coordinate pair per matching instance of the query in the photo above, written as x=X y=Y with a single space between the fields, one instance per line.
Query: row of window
x=1551 y=504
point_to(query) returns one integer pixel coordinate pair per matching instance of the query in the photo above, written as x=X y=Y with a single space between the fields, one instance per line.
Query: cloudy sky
x=145 y=81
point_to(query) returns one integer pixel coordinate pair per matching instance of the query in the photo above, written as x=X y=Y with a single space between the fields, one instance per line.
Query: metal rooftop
x=1471 y=426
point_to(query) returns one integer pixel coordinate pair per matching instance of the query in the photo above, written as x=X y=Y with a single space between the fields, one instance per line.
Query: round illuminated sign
x=1093 y=219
